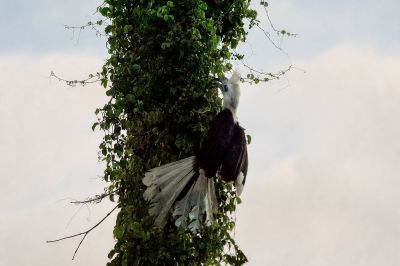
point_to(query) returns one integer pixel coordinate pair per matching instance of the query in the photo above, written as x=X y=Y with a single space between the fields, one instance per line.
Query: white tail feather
x=197 y=202
x=211 y=201
x=164 y=185
x=200 y=199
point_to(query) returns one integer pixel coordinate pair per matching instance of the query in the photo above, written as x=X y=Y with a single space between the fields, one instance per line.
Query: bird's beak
x=221 y=83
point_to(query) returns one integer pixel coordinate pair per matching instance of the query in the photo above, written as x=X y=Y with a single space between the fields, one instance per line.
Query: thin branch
x=79 y=245
x=76 y=213
x=268 y=35
x=264 y=76
x=256 y=75
x=279 y=32
x=93 y=78
x=95 y=199
x=269 y=20
x=83 y=233
x=91 y=25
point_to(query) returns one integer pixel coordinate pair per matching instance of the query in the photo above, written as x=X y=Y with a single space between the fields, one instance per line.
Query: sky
x=322 y=185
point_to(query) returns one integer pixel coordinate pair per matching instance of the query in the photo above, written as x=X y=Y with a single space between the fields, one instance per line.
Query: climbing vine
x=160 y=77
x=164 y=58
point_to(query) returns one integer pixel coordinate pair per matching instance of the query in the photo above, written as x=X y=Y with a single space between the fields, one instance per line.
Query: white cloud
x=46 y=124
x=49 y=153
x=322 y=185
x=332 y=199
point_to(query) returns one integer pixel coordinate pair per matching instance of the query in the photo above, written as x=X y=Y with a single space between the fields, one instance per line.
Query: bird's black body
x=235 y=160
x=224 y=148
x=214 y=147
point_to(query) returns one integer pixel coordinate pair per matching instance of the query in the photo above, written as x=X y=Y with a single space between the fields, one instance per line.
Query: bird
x=186 y=187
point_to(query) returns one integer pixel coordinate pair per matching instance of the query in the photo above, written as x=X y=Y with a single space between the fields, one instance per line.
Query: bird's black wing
x=216 y=144
x=236 y=159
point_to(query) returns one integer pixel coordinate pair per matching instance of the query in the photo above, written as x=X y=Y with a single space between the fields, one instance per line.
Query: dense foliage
x=163 y=58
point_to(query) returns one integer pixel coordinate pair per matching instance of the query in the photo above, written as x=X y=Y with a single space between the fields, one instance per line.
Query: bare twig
x=269 y=20
x=257 y=75
x=264 y=76
x=76 y=213
x=83 y=233
x=91 y=25
x=93 y=78
x=268 y=35
x=95 y=199
x=279 y=32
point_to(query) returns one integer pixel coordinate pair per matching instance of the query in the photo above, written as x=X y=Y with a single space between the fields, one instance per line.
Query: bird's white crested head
x=231 y=92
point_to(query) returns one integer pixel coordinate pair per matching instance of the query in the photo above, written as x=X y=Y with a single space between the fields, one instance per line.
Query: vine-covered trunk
x=163 y=59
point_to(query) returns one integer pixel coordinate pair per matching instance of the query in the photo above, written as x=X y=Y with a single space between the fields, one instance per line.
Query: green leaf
x=250 y=76
x=248 y=137
x=111 y=254
x=104 y=11
x=128 y=28
x=95 y=125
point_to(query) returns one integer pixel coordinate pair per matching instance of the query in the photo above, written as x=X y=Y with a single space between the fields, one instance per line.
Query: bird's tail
x=166 y=183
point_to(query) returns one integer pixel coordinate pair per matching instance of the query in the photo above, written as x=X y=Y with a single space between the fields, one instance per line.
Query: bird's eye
x=225 y=88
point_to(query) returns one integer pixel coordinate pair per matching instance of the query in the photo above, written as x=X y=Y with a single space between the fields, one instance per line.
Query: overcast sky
x=324 y=170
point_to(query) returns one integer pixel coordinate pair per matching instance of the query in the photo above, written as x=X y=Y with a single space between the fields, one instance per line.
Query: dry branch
x=85 y=233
